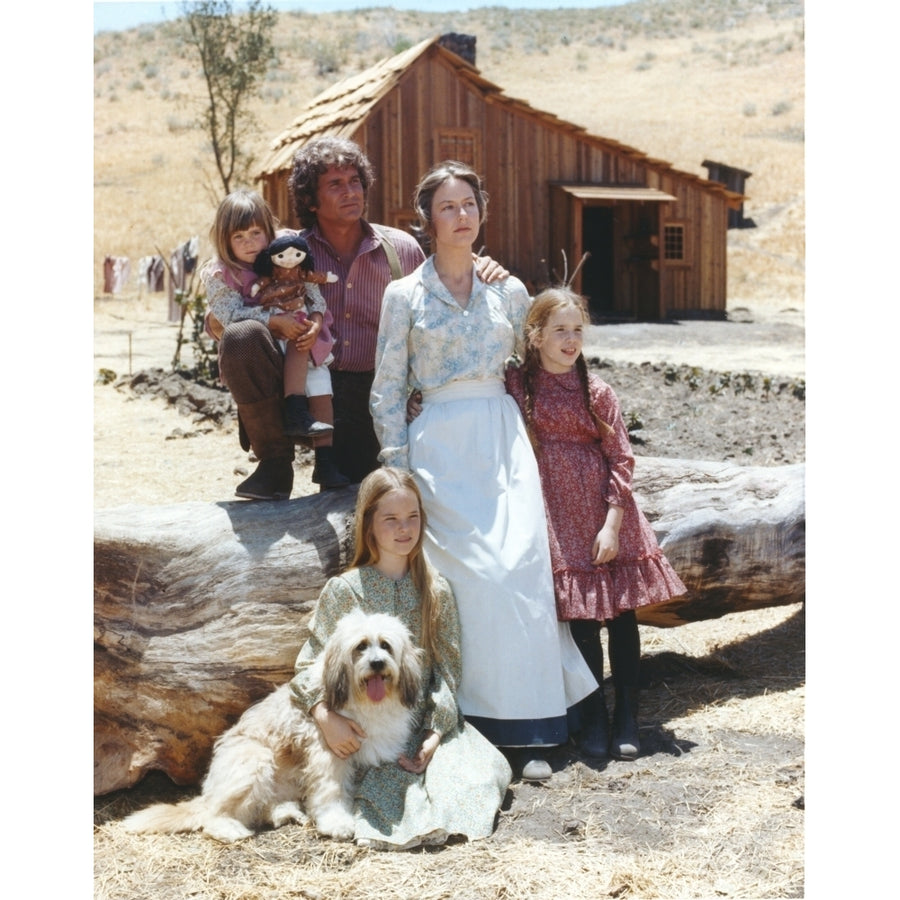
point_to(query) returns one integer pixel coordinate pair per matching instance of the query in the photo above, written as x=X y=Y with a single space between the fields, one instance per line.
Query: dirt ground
x=699 y=390
x=714 y=805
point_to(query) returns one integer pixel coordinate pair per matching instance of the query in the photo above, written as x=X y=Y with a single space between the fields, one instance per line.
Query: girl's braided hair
x=544 y=305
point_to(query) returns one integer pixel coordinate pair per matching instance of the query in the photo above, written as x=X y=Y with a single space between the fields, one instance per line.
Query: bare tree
x=235 y=52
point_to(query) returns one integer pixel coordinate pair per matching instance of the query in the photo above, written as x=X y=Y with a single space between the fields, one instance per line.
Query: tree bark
x=200 y=609
x=736 y=535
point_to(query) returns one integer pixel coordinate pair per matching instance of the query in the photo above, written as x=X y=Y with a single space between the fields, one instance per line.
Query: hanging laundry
x=116 y=271
x=182 y=263
x=151 y=274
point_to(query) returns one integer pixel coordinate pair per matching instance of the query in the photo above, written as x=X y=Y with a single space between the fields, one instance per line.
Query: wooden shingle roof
x=339 y=111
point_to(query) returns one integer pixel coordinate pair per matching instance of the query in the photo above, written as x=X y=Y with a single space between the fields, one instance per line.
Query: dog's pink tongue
x=375 y=688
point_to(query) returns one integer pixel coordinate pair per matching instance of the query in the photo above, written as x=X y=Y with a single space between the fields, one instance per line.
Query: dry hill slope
x=682 y=80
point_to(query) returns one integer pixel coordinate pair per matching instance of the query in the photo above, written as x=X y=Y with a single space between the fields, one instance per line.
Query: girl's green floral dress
x=465 y=782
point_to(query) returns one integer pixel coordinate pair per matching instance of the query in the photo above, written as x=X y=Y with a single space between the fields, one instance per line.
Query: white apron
x=487 y=534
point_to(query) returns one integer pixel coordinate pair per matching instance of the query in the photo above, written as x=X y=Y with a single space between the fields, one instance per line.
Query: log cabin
x=656 y=236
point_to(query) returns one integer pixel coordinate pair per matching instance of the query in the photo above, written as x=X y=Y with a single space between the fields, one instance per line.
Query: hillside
x=681 y=80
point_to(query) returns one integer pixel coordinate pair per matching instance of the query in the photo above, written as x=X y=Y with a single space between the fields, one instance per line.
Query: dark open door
x=598 y=271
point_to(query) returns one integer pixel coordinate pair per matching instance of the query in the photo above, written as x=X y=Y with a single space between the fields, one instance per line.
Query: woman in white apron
x=447 y=334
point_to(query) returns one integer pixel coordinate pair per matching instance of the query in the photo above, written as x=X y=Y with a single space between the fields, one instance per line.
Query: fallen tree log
x=736 y=535
x=200 y=609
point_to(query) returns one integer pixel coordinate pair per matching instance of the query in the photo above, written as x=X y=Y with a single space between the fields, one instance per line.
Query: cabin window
x=461 y=144
x=674 y=250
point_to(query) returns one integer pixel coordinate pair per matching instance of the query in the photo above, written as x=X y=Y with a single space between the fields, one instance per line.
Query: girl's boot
x=625 y=661
x=625 y=742
x=298 y=423
x=593 y=737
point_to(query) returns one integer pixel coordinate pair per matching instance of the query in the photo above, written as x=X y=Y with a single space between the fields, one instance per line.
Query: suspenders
x=390 y=252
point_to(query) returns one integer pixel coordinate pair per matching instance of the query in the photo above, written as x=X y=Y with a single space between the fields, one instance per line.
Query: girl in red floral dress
x=606 y=560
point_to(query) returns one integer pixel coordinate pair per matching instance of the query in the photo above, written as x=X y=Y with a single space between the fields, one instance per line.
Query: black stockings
x=624 y=647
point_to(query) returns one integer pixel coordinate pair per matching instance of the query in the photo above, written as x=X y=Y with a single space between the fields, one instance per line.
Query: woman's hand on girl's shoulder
x=413 y=406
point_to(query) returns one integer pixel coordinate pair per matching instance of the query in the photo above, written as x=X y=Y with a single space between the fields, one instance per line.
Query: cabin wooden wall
x=520 y=156
x=274 y=189
x=699 y=285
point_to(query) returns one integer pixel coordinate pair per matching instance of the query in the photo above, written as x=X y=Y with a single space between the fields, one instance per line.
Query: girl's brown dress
x=581 y=475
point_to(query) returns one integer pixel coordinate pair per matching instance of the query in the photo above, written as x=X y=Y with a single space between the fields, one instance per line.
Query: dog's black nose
x=378 y=664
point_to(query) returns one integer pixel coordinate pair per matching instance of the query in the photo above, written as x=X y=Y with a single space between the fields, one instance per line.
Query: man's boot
x=326 y=472
x=273 y=479
x=262 y=430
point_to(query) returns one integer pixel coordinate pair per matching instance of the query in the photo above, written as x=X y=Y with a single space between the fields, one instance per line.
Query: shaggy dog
x=273 y=765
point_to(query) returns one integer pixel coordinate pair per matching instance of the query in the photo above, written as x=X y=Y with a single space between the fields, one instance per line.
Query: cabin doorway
x=598 y=271
x=619 y=226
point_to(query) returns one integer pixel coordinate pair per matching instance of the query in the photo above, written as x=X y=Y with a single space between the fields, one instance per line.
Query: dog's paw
x=289 y=811
x=335 y=822
x=226 y=829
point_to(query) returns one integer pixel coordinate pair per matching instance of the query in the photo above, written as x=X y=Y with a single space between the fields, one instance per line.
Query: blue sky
x=122 y=15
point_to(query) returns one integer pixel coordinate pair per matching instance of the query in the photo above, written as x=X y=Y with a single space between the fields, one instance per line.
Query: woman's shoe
x=536 y=769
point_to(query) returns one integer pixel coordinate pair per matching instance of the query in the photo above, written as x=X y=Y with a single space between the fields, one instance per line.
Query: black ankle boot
x=593 y=738
x=625 y=742
x=325 y=470
x=298 y=423
x=272 y=480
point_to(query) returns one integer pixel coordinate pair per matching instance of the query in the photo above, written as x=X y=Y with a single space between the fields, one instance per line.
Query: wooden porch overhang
x=616 y=192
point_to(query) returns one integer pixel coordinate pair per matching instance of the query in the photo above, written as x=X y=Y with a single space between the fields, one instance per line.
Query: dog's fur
x=273 y=765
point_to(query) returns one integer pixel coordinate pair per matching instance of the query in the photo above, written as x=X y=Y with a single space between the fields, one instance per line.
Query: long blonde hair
x=373 y=488
x=544 y=305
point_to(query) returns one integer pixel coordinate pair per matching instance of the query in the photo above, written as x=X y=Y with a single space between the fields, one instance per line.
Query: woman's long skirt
x=487 y=534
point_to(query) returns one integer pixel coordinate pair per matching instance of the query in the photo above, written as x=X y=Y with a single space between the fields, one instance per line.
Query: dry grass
x=710 y=810
x=684 y=81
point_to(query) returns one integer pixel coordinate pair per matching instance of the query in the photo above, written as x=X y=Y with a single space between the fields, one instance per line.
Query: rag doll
x=287 y=260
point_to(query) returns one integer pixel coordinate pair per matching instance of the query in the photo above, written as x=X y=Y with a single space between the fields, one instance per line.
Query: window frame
x=679 y=228
x=458 y=136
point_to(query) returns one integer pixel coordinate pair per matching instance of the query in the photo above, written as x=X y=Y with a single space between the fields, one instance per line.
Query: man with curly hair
x=329 y=184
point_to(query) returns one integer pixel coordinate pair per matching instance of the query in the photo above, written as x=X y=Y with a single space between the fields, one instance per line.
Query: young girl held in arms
x=606 y=560
x=452 y=781
x=244 y=226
